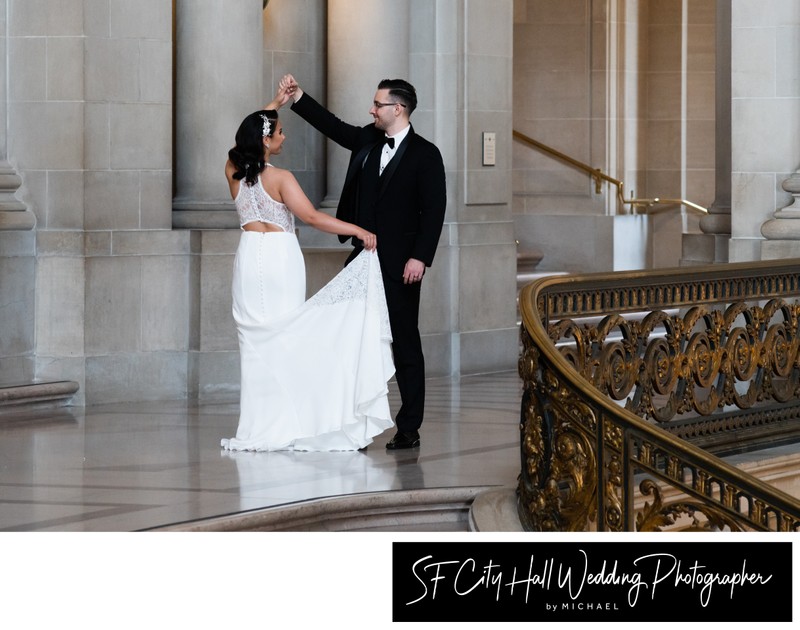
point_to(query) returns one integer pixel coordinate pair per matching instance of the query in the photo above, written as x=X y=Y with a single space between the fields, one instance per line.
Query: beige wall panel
x=97 y=136
x=702 y=12
x=143 y=19
x=480 y=294
x=141 y=136
x=569 y=243
x=755 y=194
x=434 y=312
x=65 y=202
x=559 y=47
x=129 y=377
x=17 y=298
x=667 y=228
x=753 y=64
x=755 y=13
x=487 y=24
x=700 y=136
x=112 y=200
x=57 y=126
x=60 y=306
x=664 y=183
x=786 y=66
x=489 y=84
x=96 y=21
x=114 y=73
x=765 y=133
x=701 y=44
x=156 y=197
x=69 y=243
x=664 y=145
x=166 y=303
x=217 y=328
x=668 y=12
x=700 y=97
x=214 y=375
x=557 y=11
x=663 y=47
x=700 y=187
x=113 y=305
x=45 y=17
x=155 y=71
x=27 y=58
x=488 y=350
x=65 y=68
x=664 y=95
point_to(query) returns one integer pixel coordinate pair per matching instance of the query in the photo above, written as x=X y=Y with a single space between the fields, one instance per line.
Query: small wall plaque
x=489 y=139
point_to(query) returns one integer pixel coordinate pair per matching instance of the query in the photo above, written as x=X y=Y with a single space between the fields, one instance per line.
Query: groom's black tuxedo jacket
x=411 y=198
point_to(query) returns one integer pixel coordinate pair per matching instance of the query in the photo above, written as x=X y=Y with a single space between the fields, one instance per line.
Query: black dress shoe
x=403 y=440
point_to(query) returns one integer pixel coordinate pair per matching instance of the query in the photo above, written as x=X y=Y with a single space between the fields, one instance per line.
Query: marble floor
x=144 y=465
x=82 y=489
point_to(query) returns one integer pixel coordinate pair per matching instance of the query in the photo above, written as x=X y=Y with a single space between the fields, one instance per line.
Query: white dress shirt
x=388 y=152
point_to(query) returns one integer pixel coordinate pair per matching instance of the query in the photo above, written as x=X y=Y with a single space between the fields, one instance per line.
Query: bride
x=313 y=373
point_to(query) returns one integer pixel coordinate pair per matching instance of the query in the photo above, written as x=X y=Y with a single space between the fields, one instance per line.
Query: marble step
x=37 y=392
x=465 y=509
x=423 y=510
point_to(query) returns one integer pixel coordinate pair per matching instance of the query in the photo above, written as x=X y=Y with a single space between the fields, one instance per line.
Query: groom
x=394 y=187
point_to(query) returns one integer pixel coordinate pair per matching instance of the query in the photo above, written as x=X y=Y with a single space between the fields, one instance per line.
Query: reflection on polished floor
x=144 y=465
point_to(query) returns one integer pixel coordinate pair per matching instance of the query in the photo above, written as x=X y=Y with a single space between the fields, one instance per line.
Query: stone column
x=718 y=221
x=367 y=42
x=14 y=215
x=218 y=74
x=712 y=245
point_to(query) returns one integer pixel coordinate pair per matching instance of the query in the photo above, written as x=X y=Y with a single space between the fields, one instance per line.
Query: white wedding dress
x=313 y=373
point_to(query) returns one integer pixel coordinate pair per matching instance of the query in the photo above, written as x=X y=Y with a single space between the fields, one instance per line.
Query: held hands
x=413 y=272
x=289 y=84
x=287 y=89
x=282 y=97
x=369 y=239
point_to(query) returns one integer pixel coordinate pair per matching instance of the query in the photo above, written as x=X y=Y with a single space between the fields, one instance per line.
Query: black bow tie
x=389 y=141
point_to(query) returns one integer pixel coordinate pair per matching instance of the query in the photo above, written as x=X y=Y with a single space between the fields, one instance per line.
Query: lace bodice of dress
x=254 y=204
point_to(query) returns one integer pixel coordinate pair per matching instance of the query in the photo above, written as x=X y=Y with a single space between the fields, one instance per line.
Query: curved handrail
x=566 y=420
x=599 y=177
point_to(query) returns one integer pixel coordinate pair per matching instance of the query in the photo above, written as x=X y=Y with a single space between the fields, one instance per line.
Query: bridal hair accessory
x=267 y=129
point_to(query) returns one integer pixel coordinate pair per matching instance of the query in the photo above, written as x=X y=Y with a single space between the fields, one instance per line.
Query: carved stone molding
x=14 y=215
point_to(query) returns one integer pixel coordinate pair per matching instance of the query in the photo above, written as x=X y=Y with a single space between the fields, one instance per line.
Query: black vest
x=368 y=185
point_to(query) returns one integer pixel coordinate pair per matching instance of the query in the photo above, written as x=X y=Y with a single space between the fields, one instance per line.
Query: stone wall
x=105 y=291
x=626 y=87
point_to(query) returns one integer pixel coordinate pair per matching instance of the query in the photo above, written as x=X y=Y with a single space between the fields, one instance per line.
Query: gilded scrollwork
x=558 y=485
x=664 y=366
x=657 y=516
x=709 y=355
x=614 y=509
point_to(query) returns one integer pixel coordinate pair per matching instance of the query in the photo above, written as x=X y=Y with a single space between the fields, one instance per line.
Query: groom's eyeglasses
x=378 y=104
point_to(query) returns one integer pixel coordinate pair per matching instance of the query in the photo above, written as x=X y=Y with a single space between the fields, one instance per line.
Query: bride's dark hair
x=248 y=154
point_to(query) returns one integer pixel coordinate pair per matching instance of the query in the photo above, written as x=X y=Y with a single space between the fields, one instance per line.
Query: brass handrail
x=599 y=177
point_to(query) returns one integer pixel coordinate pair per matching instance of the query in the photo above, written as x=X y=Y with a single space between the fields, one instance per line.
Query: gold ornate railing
x=650 y=206
x=632 y=383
